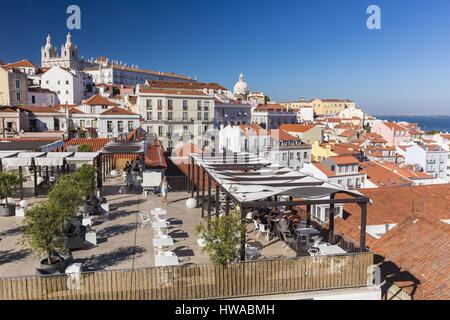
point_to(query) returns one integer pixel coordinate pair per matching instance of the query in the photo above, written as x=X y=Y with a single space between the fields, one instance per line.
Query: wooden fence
x=244 y=279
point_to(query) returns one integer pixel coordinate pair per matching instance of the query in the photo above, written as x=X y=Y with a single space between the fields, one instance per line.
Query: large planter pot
x=7 y=210
x=55 y=267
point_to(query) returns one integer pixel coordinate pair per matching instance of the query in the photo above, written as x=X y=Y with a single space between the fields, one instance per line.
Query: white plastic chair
x=288 y=239
x=145 y=218
x=255 y=226
x=263 y=229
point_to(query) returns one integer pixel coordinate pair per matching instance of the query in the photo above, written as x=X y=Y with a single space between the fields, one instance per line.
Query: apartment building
x=71 y=87
x=272 y=116
x=341 y=170
x=330 y=107
x=13 y=87
x=432 y=159
x=98 y=117
x=308 y=133
x=394 y=133
x=176 y=115
x=276 y=145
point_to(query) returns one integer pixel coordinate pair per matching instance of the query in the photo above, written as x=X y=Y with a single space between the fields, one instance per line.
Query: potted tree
x=9 y=182
x=44 y=233
x=221 y=238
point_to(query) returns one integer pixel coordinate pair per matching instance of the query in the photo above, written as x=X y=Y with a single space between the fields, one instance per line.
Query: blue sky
x=287 y=49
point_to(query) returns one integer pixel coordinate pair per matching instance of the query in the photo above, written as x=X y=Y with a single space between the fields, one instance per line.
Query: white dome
x=241 y=87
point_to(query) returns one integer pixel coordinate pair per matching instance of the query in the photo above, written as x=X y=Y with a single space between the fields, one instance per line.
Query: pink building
x=394 y=133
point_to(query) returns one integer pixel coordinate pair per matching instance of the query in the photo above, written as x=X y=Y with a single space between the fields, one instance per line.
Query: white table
x=159 y=212
x=308 y=232
x=331 y=250
x=160 y=225
x=163 y=261
x=162 y=242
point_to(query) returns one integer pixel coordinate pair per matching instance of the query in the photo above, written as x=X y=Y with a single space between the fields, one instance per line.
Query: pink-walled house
x=394 y=133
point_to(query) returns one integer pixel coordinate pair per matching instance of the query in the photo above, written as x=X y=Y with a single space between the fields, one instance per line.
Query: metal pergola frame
x=37 y=169
x=196 y=168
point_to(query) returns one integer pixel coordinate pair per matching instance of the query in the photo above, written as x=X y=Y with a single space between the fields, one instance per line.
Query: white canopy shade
x=16 y=162
x=257 y=179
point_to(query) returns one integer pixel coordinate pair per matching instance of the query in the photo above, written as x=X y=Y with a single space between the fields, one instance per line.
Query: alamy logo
x=74 y=19
x=374 y=20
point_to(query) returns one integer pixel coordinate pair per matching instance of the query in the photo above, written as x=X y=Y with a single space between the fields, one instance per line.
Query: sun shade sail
x=124 y=147
x=251 y=178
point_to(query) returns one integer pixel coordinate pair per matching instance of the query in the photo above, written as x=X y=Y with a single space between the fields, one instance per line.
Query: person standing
x=164 y=189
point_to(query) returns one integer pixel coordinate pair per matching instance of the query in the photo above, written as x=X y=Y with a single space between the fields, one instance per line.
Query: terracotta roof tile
x=118 y=111
x=296 y=127
x=99 y=100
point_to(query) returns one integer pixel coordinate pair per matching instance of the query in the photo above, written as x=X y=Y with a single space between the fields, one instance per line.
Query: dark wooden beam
x=203 y=191
x=21 y=182
x=243 y=234
x=331 y=222
x=217 y=200
x=362 y=237
x=209 y=199
x=189 y=176
x=271 y=204
x=198 y=185
x=193 y=177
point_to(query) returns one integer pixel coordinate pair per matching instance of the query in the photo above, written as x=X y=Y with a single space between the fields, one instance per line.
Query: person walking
x=164 y=189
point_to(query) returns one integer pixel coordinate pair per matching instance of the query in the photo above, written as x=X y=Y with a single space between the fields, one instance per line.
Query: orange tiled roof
x=296 y=127
x=394 y=205
x=382 y=176
x=184 y=85
x=95 y=143
x=394 y=126
x=173 y=92
x=416 y=257
x=118 y=111
x=36 y=109
x=344 y=160
x=99 y=100
x=20 y=64
x=249 y=129
x=282 y=135
x=324 y=169
x=271 y=107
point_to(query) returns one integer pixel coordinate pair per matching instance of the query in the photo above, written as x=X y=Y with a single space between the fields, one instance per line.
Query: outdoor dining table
x=166 y=261
x=308 y=232
x=162 y=242
x=159 y=212
x=329 y=250
x=160 y=225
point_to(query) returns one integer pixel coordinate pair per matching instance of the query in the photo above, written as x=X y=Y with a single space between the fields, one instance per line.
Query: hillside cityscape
x=125 y=183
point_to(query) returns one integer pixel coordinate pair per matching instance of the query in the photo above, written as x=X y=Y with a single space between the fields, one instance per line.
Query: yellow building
x=328 y=107
x=13 y=87
x=319 y=153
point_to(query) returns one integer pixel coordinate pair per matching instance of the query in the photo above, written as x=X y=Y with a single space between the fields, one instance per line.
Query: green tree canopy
x=44 y=231
x=9 y=182
x=222 y=237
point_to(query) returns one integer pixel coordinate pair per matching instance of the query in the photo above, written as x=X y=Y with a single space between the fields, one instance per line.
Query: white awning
x=254 y=178
x=15 y=163
x=49 y=162
x=7 y=154
x=59 y=154
x=80 y=158
x=30 y=154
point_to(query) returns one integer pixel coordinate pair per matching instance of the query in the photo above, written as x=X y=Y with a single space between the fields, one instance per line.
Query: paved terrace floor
x=122 y=244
